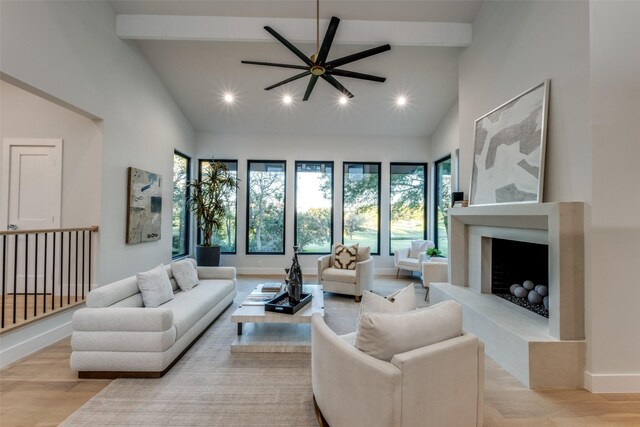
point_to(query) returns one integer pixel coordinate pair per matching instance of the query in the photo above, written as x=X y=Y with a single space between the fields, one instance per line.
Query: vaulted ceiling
x=199 y=67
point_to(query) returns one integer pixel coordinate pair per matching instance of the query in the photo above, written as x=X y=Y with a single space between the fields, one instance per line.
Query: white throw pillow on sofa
x=398 y=302
x=155 y=287
x=383 y=335
x=185 y=274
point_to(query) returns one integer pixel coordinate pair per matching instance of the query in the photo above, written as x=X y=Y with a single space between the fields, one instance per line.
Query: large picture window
x=442 y=203
x=225 y=236
x=314 y=207
x=361 y=205
x=407 y=195
x=266 y=189
x=180 y=213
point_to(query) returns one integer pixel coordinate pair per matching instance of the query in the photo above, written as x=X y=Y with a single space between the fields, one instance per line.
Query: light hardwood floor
x=42 y=391
x=33 y=304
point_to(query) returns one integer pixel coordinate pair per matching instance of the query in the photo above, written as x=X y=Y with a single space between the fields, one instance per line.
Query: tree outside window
x=266 y=207
x=443 y=202
x=179 y=213
x=407 y=203
x=314 y=207
x=361 y=205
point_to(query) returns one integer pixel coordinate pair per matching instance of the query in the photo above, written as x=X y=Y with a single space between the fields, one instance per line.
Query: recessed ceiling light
x=401 y=100
x=343 y=100
x=287 y=99
x=228 y=98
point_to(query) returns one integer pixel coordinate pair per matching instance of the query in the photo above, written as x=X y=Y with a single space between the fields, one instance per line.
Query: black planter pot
x=208 y=256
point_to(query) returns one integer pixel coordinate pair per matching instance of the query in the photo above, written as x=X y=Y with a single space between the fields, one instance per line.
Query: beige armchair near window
x=406 y=260
x=347 y=282
x=436 y=269
x=439 y=385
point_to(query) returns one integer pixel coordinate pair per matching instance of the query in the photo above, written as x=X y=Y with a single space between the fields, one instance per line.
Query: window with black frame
x=226 y=236
x=314 y=207
x=361 y=205
x=266 y=192
x=180 y=214
x=442 y=204
x=408 y=192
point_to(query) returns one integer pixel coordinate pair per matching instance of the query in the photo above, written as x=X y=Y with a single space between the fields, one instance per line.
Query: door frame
x=5 y=163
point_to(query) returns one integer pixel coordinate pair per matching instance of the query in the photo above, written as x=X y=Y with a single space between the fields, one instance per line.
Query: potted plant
x=433 y=252
x=207 y=202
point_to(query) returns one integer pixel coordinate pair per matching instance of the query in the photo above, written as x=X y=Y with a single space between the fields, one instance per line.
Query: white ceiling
x=198 y=73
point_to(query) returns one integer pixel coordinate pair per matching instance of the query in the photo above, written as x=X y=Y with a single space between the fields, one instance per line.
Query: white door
x=31 y=194
x=32 y=175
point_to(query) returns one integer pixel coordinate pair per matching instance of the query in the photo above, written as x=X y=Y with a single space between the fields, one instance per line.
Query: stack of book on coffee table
x=263 y=293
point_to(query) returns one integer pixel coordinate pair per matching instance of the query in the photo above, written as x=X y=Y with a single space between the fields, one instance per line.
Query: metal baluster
x=83 y=262
x=15 y=274
x=44 y=275
x=61 y=265
x=35 y=281
x=69 y=271
x=4 y=275
x=90 y=259
x=26 y=271
x=53 y=274
x=76 y=296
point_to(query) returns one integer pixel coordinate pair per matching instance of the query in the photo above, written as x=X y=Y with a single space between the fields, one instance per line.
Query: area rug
x=210 y=386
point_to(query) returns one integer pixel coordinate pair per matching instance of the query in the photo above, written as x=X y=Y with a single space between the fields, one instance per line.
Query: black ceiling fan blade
x=328 y=40
x=312 y=83
x=356 y=75
x=357 y=56
x=273 y=64
x=289 y=46
x=290 y=79
x=333 y=82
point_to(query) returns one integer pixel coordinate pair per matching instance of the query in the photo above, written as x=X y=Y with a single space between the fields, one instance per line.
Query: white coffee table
x=270 y=332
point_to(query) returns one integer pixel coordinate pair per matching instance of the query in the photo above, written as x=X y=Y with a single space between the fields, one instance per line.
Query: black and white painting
x=144 y=220
x=509 y=150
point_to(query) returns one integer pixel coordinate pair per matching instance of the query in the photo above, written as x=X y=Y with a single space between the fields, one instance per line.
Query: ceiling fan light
x=287 y=99
x=229 y=98
x=343 y=100
x=401 y=101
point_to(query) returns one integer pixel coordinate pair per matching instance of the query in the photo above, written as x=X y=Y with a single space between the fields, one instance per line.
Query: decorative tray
x=281 y=304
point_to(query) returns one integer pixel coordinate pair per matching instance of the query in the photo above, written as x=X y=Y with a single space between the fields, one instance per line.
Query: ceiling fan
x=317 y=65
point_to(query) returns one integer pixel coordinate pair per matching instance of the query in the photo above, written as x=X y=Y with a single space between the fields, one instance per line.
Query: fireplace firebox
x=523 y=265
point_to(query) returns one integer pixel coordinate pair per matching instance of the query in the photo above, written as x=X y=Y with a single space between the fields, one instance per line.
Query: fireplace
x=520 y=274
x=493 y=247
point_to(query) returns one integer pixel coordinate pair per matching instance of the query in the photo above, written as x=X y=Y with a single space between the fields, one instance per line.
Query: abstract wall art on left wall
x=144 y=206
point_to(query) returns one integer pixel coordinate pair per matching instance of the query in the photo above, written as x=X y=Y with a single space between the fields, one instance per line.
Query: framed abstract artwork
x=509 y=150
x=144 y=207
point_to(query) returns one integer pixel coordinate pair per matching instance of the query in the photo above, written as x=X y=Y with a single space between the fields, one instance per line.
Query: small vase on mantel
x=294 y=279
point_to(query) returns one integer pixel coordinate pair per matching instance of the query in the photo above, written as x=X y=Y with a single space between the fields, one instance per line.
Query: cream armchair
x=347 y=282
x=434 y=386
x=405 y=260
x=436 y=269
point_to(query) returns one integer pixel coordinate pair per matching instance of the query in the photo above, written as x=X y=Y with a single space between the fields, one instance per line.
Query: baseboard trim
x=612 y=383
x=26 y=340
x=262 y=271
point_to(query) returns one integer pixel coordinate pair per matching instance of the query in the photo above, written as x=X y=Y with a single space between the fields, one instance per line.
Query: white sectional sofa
x=116 y=336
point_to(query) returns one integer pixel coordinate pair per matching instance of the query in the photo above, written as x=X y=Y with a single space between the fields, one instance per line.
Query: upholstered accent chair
x=436 y=269
x=438 y=385
x=344 y=281
x=412 y=257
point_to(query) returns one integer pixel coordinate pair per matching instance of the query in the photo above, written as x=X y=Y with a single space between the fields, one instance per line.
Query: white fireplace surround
x=539 y=352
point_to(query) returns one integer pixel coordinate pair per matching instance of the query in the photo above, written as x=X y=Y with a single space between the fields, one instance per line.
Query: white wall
x=25 y=115
x=303 y=147
x=517 y=45
x=613 y=291
x=70 y=50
